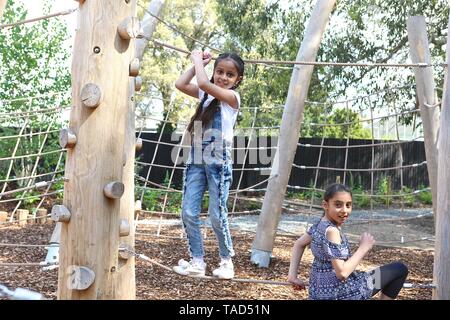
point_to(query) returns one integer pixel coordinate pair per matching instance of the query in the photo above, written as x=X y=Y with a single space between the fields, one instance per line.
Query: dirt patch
x=155 y=283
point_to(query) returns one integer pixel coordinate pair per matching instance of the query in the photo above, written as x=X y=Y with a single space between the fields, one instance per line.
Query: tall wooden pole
x=127 y=229
x=441 y=272
x=2 y=8
x=427 y=96
x=98 y=193
x=289 y=134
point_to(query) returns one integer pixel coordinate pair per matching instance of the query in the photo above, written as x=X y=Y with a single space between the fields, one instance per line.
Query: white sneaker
x=225 y=270
x=191 y=268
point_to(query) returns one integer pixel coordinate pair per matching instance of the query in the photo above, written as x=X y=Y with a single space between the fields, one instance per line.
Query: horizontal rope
x=316 y=63
x=32 y=197
x=37 y=185
x=56 y=14
x=361 y=170
x=24 y=245
x=145 y=258
x=381 y=144
x=32 y=177
x=29 y=134
x=33 y=155
x=24 y=114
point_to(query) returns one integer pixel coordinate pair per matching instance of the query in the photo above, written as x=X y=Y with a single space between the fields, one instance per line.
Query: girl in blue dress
x=333 y=275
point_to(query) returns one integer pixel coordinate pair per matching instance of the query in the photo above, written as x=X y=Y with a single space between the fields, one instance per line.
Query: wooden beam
x=289 y=134
x=427 y=96
x=441 y=270
x=100 y=120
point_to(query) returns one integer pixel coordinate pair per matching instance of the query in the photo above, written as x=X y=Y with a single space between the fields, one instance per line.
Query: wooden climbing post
x=289 y=134
x=441 y=270
x=99 y=192
x=426 y=96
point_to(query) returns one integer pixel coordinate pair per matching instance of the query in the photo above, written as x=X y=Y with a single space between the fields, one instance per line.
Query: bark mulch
x=155 y=283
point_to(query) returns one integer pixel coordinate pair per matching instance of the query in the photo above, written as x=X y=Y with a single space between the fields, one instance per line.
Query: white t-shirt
x=229 y=114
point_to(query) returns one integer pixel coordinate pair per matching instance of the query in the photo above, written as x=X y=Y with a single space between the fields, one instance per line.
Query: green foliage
x=425 y=196
x=409 y=199
x=155 y=200
x=361 y=198
x=384 y=189
x=33 y=64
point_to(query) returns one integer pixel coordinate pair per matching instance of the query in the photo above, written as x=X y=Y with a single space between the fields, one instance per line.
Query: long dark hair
x=205 y=116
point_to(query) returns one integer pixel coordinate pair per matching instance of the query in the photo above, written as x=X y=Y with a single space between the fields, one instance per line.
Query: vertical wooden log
x=426 y=95
x=41 y=215
x=90 y=239
x=126 y=268
x=22 y=216
x=148 y=26
x=2 y=8
x=289 y=134
x=441 y=271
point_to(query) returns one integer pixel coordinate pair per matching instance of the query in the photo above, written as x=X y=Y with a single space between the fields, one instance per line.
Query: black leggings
x=389 y=279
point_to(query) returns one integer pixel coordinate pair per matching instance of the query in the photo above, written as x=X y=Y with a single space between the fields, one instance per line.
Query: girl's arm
x=184 y=83
x=344 y=268
x=296 y=257
x=225 y=95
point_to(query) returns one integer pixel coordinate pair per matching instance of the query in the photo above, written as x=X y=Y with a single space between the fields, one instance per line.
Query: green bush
x=425 y=196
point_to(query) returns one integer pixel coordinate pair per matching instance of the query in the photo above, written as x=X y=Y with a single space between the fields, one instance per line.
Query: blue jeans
x=217 y=177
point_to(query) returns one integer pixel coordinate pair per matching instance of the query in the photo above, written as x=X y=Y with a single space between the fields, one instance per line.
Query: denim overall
x=209 y=166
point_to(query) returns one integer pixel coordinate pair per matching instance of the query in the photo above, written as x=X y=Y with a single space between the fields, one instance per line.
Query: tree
x=359 y=31
x=161 y=67
x=33 y=64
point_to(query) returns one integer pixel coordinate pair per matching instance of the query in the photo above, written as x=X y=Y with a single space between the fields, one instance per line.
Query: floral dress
x=323 y=282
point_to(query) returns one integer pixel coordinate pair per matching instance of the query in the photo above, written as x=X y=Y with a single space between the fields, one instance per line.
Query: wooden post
x=100 y=120
x=3 y=216
x=22 y=216
x=2 y=8
x=426 y=95
x=41 y=215
x=148 y=26
x=441 y=271
x=289 y=134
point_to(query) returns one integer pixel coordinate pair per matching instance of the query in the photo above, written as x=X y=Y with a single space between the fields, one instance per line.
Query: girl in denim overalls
x=210 y=166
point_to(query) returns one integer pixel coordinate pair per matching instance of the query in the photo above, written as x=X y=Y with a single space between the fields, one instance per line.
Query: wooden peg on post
x=137 y=83
x=67 y=138
x=80 y=278
x=124 y=228
x=129 y=28
x=91 y=95
x=124 y=251
x=114 y=190
x=138 y=144
x=134 y=67
x=60 y=213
